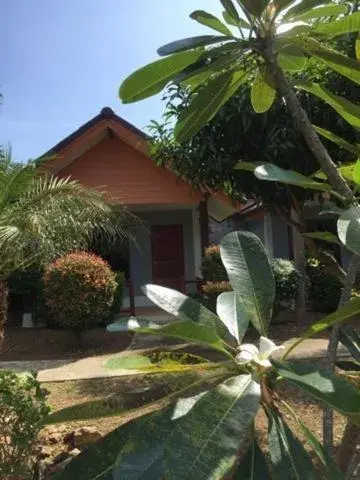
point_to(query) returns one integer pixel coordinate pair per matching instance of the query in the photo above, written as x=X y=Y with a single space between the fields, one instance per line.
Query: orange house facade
x=109 y=154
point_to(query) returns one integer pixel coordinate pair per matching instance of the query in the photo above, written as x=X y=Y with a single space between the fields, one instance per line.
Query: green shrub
x=79 y=291
x=325 y=288
x=118 y=295
x=212 y=268
x=22 y=410
x=287 y=281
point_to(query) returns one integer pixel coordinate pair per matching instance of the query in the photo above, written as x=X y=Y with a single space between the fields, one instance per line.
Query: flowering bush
x=79 y=291
x=22 y=410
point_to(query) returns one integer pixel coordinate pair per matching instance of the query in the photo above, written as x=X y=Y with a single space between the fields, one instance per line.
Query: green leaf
x=302 y=7
x=332 y=470
x=250 y=275
x=134 y=450
x=184 y=308
x=349 y=111
x=253 y=465
x=357 y=49
x=338 y=140
x=207 y=103
x=288 y=456
x=231 y=10
x=108 y=407
x=338 y=62
x=185 y=330
x=156 y=362
x=323 y=385
x=343 y=313
x=343 y=26
x=262 y=92
x=294 y=32
x=348 y=366
x=206 y=442
x=348 y=228
x=210 y=21
x=325 y=11
x=291 y=58
x=235 y=23
x=325 y=236
x=191 y=43
x=231 y=311
x=254 y=7
x=247 y=166
x=273 y=173
x=349 y=337
x=356 y=172
x=152 y=78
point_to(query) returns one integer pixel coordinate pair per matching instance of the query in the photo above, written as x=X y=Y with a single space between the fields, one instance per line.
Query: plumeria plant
x=207 y=429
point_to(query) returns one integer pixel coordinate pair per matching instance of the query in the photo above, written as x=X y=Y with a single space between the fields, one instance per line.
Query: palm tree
x=42 y=216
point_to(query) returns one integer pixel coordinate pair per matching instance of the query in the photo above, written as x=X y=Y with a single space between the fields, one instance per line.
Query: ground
x=66 y=394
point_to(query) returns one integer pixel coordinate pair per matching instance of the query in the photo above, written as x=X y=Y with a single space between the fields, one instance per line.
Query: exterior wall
x=129 y=175
x=280 y=237
x=140 y=254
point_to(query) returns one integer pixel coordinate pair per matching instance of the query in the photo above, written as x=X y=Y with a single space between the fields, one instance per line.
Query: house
x=177 y=222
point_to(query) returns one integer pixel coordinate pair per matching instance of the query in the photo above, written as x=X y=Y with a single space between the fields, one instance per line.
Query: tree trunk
x=348 y=448
x=328 y=419
x=3 y=310
x=304 y=126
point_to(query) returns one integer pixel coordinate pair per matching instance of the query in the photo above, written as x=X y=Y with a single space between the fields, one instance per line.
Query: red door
x=168 y=256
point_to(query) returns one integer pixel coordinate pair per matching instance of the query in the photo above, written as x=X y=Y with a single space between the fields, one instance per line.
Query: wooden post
x=204 y=225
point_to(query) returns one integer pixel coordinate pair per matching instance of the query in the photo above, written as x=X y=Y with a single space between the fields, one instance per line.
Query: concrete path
x=93 y=367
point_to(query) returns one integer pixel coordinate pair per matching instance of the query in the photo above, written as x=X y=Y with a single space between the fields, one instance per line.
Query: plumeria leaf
x=356 y=172
x=302 y=7
x=288 y=456
x=152 y=78
x=184 y=308
x=185 y=330
x=324 y=236
x=156 y=361
x=233 y=314
x=342 y=26
x=262 y=92
x=250 y=275
x=273 y=173
x=235 y=23
x=349 y=337
x=210 y=21
x=329 y=465
x=191 y=43
x=291 y=58
x=254 y=7
x=253 y=465
x=205 y=443
x=338 y=140
x=231 y=10
x=326 y=386
x=343 y=313
x=207 y=103
x=348 y=228
x=322 y=11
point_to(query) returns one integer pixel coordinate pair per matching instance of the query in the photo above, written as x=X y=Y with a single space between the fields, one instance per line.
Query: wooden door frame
x=182 y=258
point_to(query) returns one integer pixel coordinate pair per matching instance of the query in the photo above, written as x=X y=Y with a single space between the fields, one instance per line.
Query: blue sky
x=63 y=60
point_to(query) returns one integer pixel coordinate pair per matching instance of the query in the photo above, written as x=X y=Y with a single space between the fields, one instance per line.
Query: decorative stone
x=45 y=451
x=54 y=438
x=66 y=459
x=84 y=436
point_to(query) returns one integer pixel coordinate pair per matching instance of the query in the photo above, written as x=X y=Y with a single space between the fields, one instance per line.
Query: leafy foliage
x=22 y=411
x=201 y=429
x=79 y=290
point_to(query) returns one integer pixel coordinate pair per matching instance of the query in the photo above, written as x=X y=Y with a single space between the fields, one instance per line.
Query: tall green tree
x=42 y=216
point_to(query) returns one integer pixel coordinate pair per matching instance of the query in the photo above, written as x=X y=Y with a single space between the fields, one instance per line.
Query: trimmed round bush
x=325 y=288
x=79 y=291
x=287 y=282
